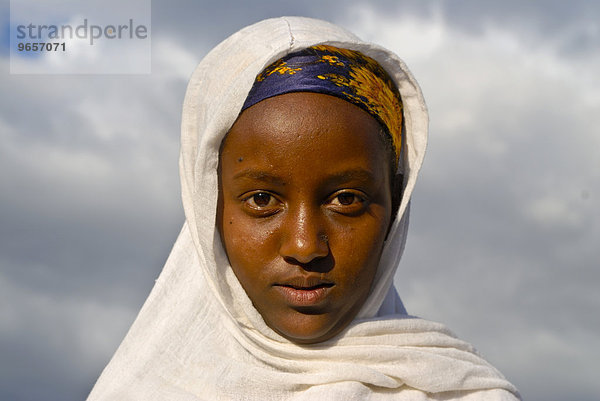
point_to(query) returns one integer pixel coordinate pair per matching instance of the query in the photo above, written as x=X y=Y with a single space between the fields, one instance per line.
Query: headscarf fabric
x=343 y=73
x=198 y=336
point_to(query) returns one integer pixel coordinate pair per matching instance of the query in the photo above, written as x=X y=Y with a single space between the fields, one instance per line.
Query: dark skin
x=305 y=204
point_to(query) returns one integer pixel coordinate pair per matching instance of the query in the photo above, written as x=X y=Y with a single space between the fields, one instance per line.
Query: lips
x=304 y=291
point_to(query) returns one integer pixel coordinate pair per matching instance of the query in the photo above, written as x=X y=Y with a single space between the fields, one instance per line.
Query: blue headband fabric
x=343 y=73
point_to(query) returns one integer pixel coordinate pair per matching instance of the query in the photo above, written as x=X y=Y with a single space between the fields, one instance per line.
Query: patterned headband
x=343 y=73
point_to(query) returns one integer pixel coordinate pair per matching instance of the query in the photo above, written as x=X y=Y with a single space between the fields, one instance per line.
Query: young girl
x=301 y=146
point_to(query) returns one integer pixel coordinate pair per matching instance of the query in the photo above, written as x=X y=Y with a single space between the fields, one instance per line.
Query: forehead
x=305 y=129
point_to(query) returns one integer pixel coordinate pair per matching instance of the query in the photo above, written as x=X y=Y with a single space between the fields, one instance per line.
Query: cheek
x=243 y=234
x=357 y=249
x=250 y=245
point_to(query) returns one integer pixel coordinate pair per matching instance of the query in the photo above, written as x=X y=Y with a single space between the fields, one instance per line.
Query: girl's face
x=304 y=208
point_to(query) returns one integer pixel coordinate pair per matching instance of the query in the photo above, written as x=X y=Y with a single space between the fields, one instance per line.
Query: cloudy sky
x=505 y=225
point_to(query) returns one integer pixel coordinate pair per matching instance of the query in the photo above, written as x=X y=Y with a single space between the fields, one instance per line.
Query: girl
x=301 y=146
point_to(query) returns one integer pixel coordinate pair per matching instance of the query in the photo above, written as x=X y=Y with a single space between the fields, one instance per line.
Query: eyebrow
x=357 y=174
x=259 y=176
x=342 y=177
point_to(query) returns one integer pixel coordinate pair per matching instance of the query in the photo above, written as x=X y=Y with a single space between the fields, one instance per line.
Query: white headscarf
x=198 y=336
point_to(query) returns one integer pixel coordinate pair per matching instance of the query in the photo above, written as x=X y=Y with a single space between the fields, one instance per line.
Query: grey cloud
x=503 y=238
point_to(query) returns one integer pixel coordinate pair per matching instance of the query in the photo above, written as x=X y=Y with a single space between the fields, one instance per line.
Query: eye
x=346 y=198
x=262 y=203
x=348 y=202
x=261 y=199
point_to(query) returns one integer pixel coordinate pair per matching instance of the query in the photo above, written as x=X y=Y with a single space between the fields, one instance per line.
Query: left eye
x=347 y=202
x=345 y=199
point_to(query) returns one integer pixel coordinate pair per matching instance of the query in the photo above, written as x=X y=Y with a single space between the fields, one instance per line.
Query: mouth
x=303 y=292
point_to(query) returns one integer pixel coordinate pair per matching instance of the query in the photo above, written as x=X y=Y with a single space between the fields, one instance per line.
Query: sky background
x=505 y=224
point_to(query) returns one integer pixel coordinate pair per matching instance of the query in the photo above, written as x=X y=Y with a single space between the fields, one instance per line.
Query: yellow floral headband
x=343 y=73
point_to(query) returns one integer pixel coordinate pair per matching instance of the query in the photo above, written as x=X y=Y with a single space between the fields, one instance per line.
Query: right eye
x=261 y=199
x=262 y=202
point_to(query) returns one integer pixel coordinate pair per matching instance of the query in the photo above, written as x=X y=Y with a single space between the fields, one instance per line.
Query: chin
x=308 y=329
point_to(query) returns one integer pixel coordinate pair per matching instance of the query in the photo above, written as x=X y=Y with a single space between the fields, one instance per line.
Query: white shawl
x=198 y=337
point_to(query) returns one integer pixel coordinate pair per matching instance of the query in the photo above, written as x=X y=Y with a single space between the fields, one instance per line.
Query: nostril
x=322 y=264
x=304 y=247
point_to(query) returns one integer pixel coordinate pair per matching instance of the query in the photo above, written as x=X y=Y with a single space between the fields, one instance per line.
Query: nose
x=304 y=238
